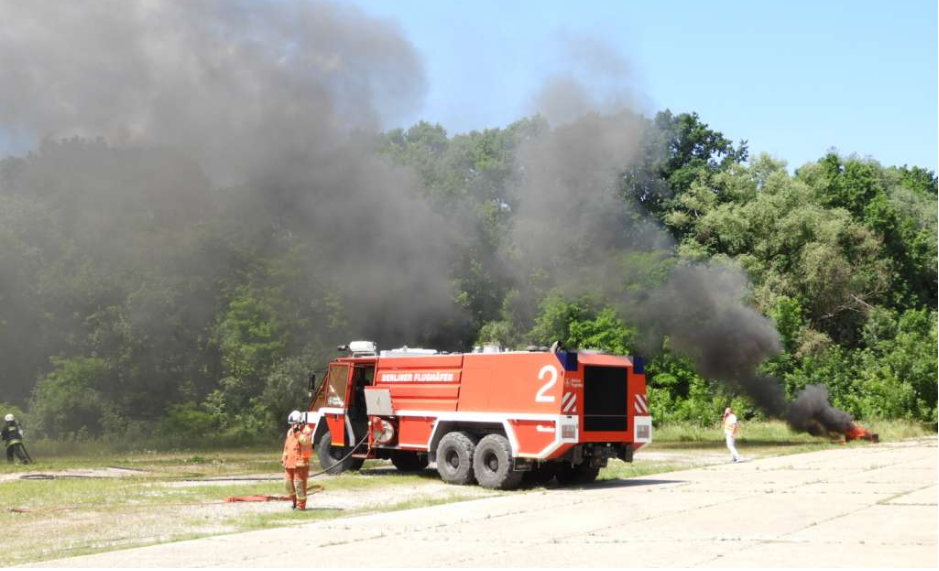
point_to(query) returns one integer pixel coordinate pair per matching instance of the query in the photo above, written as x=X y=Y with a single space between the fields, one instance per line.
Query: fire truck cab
x=497 y=418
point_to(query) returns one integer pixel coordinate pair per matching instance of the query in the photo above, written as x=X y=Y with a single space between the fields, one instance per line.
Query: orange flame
x=858 y=432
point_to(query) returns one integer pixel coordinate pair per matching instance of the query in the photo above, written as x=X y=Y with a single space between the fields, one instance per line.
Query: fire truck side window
x=338 y=379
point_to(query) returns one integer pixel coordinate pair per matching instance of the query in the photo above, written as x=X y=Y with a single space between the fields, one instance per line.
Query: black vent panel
x=605 y=399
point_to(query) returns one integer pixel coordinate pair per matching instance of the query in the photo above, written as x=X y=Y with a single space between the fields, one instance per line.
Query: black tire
x=494 y=464
x=406 y=461
x=539 y=475
x=568 y=475
x=455 y=458
x=331 y=457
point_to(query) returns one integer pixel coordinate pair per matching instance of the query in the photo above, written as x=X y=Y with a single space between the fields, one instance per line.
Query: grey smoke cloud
x=283 y=98
x=567 y=204
x=591 y=77
x=240 y=84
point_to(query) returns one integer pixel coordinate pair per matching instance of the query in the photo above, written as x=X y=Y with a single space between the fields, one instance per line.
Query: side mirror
x=312 y=383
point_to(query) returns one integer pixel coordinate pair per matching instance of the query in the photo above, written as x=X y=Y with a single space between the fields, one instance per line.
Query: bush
x=67 y=404
x=583 y=323
x=285 y=389
x=501 y=332
x=187 y=423
x=893 y=376
x=606 y=332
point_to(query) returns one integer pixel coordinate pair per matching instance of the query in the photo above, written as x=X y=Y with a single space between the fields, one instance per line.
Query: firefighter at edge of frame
x=13 y=439
x=298 y=448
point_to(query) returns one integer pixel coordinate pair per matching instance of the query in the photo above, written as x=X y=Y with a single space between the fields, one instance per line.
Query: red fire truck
x=492 y=417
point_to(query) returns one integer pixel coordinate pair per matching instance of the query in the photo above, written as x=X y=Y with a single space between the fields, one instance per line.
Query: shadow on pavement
x=632 y=482
x=718 y=444
x=392 y=471
x=606 y=484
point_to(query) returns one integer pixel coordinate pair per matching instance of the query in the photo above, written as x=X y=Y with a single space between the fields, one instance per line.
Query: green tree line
x=140 y=299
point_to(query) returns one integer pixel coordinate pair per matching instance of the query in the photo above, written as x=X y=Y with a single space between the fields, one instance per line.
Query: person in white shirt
x=729 y=424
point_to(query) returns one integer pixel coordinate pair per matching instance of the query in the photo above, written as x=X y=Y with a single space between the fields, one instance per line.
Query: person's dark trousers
x=16 y=450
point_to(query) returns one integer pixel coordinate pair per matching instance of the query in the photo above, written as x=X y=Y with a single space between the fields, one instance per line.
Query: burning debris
x=858 y=432
x=811 y=412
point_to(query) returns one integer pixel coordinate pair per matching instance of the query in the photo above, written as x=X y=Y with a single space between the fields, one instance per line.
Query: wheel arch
x=320 y=430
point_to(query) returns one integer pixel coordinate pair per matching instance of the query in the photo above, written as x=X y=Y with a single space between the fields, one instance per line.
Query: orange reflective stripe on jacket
x=305 y=442
x=298 y=447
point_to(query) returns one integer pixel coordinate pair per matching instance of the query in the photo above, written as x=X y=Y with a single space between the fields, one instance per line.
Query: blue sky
x=793 y=78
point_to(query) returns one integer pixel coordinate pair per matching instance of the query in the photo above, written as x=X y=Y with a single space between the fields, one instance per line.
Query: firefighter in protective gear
x=13 y=439
x=298 y=448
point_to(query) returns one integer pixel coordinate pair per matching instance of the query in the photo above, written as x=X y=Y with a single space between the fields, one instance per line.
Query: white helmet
x=293 y=417
x=9 y=418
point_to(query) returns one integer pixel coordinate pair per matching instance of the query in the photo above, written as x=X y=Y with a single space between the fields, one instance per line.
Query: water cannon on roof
x=410 y=352
x=488 y=348
x=360 y=348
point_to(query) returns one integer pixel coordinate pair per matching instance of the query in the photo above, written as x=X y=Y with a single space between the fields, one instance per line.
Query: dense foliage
x=134 y=293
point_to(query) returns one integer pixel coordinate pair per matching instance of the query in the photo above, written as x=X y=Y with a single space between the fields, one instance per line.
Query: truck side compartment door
x=336 y=399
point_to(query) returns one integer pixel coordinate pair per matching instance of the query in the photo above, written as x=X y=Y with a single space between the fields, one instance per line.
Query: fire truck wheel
x=573 y=475
x=455 y=458
x=408 y=461
x=330 y=456
x=493 y=463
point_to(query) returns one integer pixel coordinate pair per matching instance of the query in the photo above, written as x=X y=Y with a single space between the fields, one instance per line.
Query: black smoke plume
x=811 y=412
x=701 y=309
x=568 y=208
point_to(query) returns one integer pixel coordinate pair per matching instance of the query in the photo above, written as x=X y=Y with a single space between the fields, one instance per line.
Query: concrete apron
x=864 y=506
